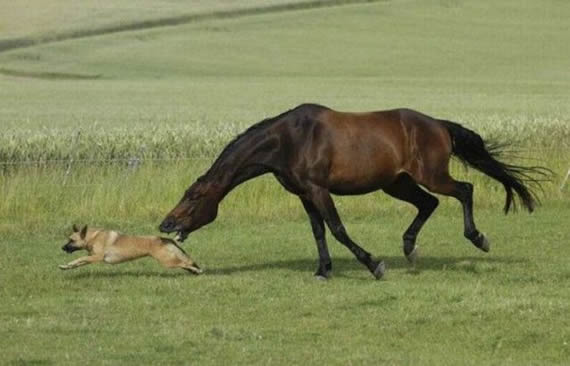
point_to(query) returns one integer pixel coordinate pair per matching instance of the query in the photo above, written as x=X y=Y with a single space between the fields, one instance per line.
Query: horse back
x=354 y=153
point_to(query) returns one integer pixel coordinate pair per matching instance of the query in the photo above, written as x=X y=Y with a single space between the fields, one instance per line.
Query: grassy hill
x=498 y=66
x=38 y=20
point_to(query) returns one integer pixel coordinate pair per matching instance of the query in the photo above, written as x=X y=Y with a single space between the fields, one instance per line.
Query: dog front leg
x=80 y=262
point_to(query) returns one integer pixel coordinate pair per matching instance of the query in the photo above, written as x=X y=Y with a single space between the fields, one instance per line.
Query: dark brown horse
x=314 y=151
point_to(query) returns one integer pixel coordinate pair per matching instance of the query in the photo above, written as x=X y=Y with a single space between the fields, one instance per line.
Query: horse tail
x=473 y=151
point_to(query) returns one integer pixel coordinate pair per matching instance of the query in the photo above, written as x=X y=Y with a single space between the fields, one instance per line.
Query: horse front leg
x=323 y=202
x=318 y=226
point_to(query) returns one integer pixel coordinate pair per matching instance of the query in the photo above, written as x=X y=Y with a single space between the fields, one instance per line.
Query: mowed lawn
x=500 y=68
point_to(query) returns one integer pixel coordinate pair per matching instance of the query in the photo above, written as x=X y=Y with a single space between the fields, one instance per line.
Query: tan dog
x=113 y=247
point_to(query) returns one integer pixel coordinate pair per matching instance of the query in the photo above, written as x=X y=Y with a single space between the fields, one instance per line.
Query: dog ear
x=75 y=228
x=83 y=232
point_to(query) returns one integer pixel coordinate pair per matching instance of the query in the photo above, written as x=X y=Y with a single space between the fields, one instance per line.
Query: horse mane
x=233 y=144
x=261 y=125
x=252 y=130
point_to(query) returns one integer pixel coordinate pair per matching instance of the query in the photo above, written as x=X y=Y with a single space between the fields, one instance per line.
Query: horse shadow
x=342 y=267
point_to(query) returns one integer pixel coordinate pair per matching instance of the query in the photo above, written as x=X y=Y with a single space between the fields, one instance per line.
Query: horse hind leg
x=463 y=192
x=405 y=189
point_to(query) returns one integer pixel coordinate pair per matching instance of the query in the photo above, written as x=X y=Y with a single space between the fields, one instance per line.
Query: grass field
x=38 y=21
x=171 y=97
x=257 y=303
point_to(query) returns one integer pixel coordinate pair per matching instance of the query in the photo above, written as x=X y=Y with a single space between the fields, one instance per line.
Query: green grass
x=183 y=92
x=257 y=302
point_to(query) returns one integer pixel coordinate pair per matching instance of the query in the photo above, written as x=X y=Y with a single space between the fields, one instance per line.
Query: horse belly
x=364 y=150
x=362 y=174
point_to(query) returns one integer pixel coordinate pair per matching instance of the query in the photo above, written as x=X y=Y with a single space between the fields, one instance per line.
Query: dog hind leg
x=171 y=256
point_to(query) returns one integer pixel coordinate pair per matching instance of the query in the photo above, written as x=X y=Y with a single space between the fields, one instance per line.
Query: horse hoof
x=379 y=271
x=323 y=276
x=413 y=255
x=485 y=245
x=482 y=243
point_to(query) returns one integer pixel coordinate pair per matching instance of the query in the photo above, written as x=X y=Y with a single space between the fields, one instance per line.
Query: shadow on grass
x=128 y=273
x=341 y=266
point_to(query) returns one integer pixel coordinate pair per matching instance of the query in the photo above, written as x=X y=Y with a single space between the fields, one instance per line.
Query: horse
x=314 y=151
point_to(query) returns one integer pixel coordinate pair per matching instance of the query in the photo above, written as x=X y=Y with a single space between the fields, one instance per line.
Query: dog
x=113 y=247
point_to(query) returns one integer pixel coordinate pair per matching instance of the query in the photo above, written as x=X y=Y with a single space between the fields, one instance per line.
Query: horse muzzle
x=169 y=225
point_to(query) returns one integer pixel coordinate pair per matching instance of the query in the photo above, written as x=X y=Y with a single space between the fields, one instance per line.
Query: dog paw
x=64 y=266
x=194 y=270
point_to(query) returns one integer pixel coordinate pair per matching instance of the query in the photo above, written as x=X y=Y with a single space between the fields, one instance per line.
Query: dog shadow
x=128 y=273
x=342 y=267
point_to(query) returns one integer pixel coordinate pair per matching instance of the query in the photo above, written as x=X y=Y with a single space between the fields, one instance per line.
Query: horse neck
x=249 y=156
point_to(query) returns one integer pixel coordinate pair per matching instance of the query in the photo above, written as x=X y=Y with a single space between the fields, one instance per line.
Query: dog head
x=77 y=240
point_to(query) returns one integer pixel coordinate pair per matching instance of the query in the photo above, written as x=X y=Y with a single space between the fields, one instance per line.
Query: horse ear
x=75 y=228
x=84 y=232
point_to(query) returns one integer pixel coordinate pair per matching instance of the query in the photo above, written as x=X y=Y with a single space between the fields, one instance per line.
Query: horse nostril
x=167 y=225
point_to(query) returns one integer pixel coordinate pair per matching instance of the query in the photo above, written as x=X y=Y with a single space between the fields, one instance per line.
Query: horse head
x=198 y=207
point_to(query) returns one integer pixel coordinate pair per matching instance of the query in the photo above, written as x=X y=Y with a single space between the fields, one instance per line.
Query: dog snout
x=69 y=248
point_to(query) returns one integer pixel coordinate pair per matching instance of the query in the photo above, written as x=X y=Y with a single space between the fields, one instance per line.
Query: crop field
x=108 y=113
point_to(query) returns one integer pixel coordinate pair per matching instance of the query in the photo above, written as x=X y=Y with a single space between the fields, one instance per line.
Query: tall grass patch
x=120 y=196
